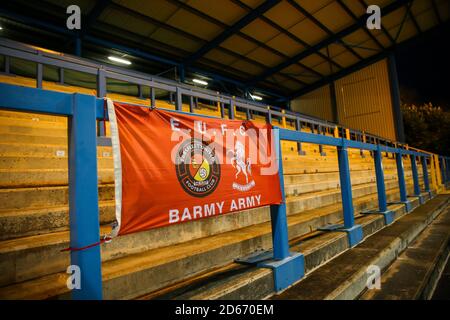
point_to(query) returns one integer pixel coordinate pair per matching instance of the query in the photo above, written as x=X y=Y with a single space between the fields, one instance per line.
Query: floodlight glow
x=258 y=98
x=200 y=82
x=119 y=60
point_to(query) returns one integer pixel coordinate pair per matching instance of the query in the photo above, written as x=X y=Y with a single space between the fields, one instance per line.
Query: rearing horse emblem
x=238 y=161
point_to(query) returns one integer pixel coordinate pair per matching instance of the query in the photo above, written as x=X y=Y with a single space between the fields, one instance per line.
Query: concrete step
x=146 y=269
x=34 y=131
x=30 y=139
x=345 y=277
x=17 y=178
x=32 y=116
x=23 y=222
x=42 y=197
x=10 y=163
x=34 y=122
x=24 y=198
x=42 y=220
x=42 y=150
x=414 y=275
x=358 y=178
x=240 y=282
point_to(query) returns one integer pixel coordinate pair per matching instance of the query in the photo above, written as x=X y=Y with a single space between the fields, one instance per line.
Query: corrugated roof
x=286 y=46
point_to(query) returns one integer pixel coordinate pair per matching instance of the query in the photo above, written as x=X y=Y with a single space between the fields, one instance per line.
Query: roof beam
x=411 y=15
x=321 y=26
x=243 y=35
x=289 y=34
x=360 y=23
x=354 y=17
x=95 y=13
x=187 y=35
x=436 y=11
x=387 y=34
x=41 y=25
x=358 y=66
x=247 y=19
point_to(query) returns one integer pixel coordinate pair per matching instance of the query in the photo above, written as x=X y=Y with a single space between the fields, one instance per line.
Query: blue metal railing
x=41 y=57
x=82 y=112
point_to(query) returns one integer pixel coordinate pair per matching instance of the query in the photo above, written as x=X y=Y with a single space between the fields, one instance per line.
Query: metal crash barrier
x=288 y=267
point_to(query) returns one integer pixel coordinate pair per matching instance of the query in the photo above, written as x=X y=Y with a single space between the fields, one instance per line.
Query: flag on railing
x=172 y=167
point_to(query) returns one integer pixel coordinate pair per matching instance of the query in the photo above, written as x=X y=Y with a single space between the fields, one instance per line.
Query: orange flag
x=174 y=167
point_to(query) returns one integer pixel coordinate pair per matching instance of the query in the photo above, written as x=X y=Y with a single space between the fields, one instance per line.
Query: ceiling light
x=258 y=98
x=200 y=82
x=1 y=28
x=119 y=60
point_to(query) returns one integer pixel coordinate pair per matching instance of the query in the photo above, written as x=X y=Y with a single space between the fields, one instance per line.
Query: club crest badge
x=243 y=168
x=197 y=168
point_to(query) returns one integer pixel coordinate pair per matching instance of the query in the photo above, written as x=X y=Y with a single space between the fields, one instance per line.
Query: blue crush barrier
x=288 y=267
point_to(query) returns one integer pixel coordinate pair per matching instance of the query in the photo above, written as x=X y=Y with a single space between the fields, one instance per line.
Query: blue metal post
x=288 y=267
x=426 y=181
x=401 y=182
x=320 y=131
x=7 y=64
x=278 y=212
x=346 y=187
x=101 y=93
x=443 y=169
x=415 y=175
x=152 y=97
x=61 y=75
x=39 y=75
x=447 y=167
x=222 y=110
x=78 y=46
x=179 y=100
x=83 y=197
x=231 y=110
x=269 y=115
x=191 y=104
x=354 y=232
x=381 y=188
x=298 y=126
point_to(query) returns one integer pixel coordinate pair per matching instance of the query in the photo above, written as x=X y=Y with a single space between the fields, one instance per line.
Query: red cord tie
x=104 y=240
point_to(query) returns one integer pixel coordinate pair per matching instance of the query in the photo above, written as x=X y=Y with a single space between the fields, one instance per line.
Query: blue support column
x=426 y=181
x=222 y=110
x=7 y=64
x=231 y=110
x=101 y=93
x=401 y=182
x=354 y=231
x=39 y=75
x=179 y=100
x=298 y=126
x=447 y=167
x=78 y=46
x=269 y=115
x=381 y=189
x=321 y=131
x=61 y=76
x=152 y=97
x=415 y=175
x=288 y=267
x=83 y=197
x=191 y=104
x=443 y=170
x=355 y=234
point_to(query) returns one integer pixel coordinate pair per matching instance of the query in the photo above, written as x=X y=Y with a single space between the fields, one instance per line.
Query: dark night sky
x=423 y=68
